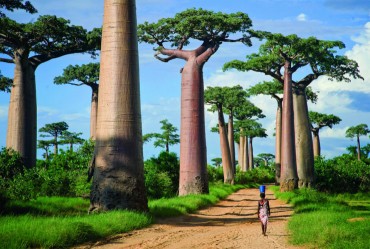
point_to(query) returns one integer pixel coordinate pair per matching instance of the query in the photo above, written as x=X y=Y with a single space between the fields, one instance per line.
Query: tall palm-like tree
x=118 y=171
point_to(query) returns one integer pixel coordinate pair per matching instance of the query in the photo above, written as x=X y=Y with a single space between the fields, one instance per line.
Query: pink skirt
x=264 y=219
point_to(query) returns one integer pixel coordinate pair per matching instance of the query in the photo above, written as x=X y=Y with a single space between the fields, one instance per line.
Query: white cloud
x=333 y=133
x=232 y=78
x=3 y=111
x=46 y=111
x=74 y=116
x=301 y=17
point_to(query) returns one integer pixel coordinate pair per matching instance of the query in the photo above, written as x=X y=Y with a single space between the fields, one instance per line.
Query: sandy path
x=231 y=223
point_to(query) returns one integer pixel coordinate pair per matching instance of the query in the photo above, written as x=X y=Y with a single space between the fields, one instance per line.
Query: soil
x=231 y=223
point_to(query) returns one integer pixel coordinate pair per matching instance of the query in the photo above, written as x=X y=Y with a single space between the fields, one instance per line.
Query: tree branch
x=6 y=60
x=204 y=57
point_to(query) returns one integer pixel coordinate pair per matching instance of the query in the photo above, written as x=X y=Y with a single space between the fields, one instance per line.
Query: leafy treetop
x=11 y=5
x=87 y=74
x=5 y=83
x=212 y=28
x=54 y=129
x=357 y=131
x=322 y=120
x=318 y=55
x=47 y=38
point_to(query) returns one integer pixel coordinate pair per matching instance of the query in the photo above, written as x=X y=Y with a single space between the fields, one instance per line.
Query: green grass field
x=63 y=222
x=329 y=221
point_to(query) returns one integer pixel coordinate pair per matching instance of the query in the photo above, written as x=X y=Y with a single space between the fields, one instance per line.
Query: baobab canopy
x=199 y=24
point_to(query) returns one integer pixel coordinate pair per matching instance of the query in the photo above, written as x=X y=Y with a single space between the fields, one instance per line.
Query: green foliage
x=5 y=83
x=68 y=224
x=11 y=164
x=188 y=204
x=49 y=36
x=342 y=174
x=328 y=221
x=166 y=138
x=64 y=174
x=261 y=174
x=87 y=74
x=28 y=231
x=16 y=4
x=322 y=120
x=215 y=174
x=162 y=175
x=198 y=24
x=321 y=56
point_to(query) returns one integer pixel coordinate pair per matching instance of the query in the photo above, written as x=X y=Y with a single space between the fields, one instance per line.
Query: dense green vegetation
x=338 y=210
x=68 y=223
x=329 y=220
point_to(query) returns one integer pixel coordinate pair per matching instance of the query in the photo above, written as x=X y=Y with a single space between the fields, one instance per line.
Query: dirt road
x=231 y=223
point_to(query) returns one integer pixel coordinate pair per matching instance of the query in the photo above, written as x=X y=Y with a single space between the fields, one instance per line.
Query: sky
x=344 y=20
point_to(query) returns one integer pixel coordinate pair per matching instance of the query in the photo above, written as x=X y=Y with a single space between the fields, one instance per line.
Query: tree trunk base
x=277 y=173
x=288 y=184
x=229 y=181
x=117 y=192
x=306 y=183
x=197 y=186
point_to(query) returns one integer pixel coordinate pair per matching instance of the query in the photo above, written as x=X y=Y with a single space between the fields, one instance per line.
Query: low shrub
x=215 y=174
x=162 y=175
x=262 y=174
x=342 y=174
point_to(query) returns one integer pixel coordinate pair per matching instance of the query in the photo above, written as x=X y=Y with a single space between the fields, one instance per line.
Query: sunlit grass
x=56 y=222
x=190 y=203
x=329 y=221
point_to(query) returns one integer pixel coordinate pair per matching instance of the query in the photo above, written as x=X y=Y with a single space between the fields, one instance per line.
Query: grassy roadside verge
x=63 y=222
x=328 y=221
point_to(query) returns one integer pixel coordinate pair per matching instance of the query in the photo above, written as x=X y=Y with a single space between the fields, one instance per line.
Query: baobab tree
x=319 y=121
x=54 y=130
x=166 y=138
x=235 y=96
x=357 y=131
x=71 y=138
x=252 y=129
x=211 y=29
x=266 y=157
x=117 y=167
x=243 y=115
x=88 y=75
x=280 y=57
x=28 y=46
x=216 y=97
x=275 y=89
x=45 y=145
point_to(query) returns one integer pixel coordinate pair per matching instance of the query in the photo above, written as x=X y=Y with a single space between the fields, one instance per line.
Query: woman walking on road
x=263 y=212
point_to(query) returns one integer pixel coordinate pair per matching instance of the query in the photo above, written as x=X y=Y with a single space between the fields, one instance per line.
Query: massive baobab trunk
x=316 y=143
x=303 y=139
x=118 y=180
x=225 y=149
x=288 y=177
x=22 y=118
x=278 y=142
x=94 y=113
x=193 y=159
